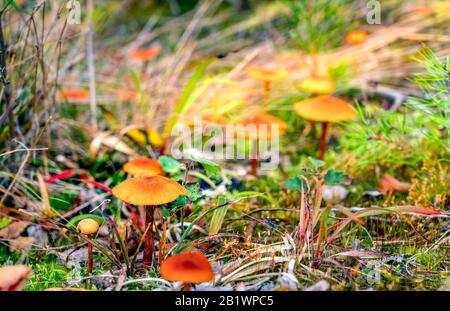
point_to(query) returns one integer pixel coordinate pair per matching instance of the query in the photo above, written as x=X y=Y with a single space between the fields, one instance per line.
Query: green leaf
x=334 y=177
x=211 y=168
x=316 y=163
x=4 y=221
x=293 y=183
x=217 y=220
x=193 y=196
x=252 y=193
x=203 y=177
x=136 y=79
x=11 y=3
x=170 y=165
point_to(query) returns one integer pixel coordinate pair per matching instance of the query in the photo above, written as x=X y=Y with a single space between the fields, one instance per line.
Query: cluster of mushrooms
x=321 y=107
x=147 y=188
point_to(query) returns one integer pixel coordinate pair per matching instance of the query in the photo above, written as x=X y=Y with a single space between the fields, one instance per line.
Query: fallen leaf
x=389 y=183
x=14 y=278
x=21 y=243
x=109 y=141
x=115 y=143
x=39 y=234
x=320 y=286
x=358 y=254
x=13 y=230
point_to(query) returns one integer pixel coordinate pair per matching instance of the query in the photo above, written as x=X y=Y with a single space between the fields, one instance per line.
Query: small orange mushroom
x=143 y=166
x=145 y=54
x=149 y=191
x=356 y=37
x=261 y=121
x=268 y=75
x=318 y=85
x=74 y=95
x=325 y=109
x=88 y=227
x=263 y=118
x=188 y=267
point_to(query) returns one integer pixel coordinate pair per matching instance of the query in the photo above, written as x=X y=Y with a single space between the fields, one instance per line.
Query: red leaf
x=62 y=175
x=97 y=184
x=389 y=183
x=424 y=211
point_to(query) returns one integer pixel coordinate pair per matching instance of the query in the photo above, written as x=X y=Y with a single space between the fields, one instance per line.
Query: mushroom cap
x=260 y=132
x=74 y=95
x=325 y=109
x=143 y=166
x=146 y=54
x=268 y=74
x=356 y=37
x=88 y=226
x=318 y=85
x=149 y=190
x=187 y=267
x=14 y=278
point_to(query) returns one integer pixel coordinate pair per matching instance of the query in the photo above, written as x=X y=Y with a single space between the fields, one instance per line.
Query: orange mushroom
x=188 y=267
x=318 y=85
x=325 y=109
x=14 y=278
x=74 y=95
x=356 y=37
x=143 y=166
x=88 y=227
x=261 y=121
x=145 y=54
x=149 y=191
x=268 y=75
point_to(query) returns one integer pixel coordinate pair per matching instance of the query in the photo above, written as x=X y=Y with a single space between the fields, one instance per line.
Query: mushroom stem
x=187 y=287
x=163 y=148
x=267 y=86
x=149 y=246
x=254 y=160
x=90 y=257
x=323 y=140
